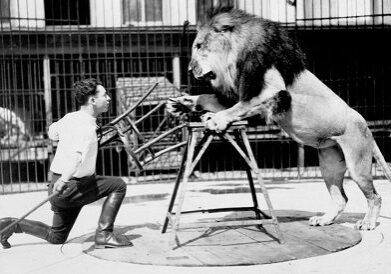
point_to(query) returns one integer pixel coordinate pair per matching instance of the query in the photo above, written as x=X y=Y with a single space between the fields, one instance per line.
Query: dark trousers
x=80 y=192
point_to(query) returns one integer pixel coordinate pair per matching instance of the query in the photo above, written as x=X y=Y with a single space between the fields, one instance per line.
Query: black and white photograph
x=195 y=136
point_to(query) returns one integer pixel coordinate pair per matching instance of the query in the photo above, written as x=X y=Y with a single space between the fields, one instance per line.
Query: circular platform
x=228 y=246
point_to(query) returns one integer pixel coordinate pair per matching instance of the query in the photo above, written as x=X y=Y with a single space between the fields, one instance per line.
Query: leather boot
x=104 y=236
x=34 y=228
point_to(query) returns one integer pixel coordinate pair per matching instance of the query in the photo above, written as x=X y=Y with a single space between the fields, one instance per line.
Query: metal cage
x=46 y=45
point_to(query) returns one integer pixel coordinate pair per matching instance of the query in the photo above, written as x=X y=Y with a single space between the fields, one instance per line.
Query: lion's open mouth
x=209 y=76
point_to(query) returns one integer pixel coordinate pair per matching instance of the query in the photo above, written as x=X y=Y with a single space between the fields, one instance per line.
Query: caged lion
x=256 y=68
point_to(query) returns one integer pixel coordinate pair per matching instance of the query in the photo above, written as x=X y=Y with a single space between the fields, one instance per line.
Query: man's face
x=101 y=100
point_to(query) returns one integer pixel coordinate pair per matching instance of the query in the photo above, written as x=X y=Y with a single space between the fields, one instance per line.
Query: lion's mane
x=255 y=45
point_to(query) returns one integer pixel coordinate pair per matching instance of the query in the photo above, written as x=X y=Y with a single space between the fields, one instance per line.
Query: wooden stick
x=55 y=193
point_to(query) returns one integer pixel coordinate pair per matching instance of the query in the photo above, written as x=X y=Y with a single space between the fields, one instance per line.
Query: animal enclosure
x=46 y=45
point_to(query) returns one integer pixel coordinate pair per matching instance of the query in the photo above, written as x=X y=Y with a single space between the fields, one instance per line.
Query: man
x=74 y=176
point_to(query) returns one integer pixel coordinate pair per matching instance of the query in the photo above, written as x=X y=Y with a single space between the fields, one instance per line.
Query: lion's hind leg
x=357 y=145
x=333 y=167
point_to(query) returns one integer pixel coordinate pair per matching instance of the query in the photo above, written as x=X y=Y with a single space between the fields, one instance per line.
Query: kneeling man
x=74 y=176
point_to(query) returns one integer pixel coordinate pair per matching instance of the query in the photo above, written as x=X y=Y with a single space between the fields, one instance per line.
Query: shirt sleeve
x=54 y=131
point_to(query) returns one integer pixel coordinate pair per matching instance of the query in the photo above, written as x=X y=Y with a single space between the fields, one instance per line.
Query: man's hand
x=60 y=185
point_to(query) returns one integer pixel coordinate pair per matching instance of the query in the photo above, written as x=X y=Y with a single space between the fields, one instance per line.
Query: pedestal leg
x=183 y=185
x=176 y=187
x=263 y=187
x=250 y=179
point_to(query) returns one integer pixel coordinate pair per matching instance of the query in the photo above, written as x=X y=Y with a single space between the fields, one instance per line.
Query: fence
x=46 y=45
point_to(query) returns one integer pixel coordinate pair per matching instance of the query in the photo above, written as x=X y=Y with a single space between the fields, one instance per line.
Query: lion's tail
x=381 y=161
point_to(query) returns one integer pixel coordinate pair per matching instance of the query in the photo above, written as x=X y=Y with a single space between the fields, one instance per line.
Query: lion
x=255 y=67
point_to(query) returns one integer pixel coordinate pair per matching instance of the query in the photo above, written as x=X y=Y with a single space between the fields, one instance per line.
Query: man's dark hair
x=85 y=88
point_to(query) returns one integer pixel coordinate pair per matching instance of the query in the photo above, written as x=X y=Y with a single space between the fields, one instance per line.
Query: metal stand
x=242 y=146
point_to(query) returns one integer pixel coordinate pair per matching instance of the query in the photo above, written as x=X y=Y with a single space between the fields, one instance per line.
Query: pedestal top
x=201 y=125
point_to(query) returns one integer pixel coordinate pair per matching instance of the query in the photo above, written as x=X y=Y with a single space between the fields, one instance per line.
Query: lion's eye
x=198 y=45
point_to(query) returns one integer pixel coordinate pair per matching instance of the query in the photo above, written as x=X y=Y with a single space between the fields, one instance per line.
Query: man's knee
x=120 y=185
x=57 y=238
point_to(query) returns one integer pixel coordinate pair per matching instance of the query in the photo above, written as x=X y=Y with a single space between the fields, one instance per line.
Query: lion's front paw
x=319 y=221
x=217 y=122
x=180 y=105
x=365 y=225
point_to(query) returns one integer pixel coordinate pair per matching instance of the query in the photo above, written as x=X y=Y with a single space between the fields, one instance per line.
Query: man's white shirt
x=76 y=133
